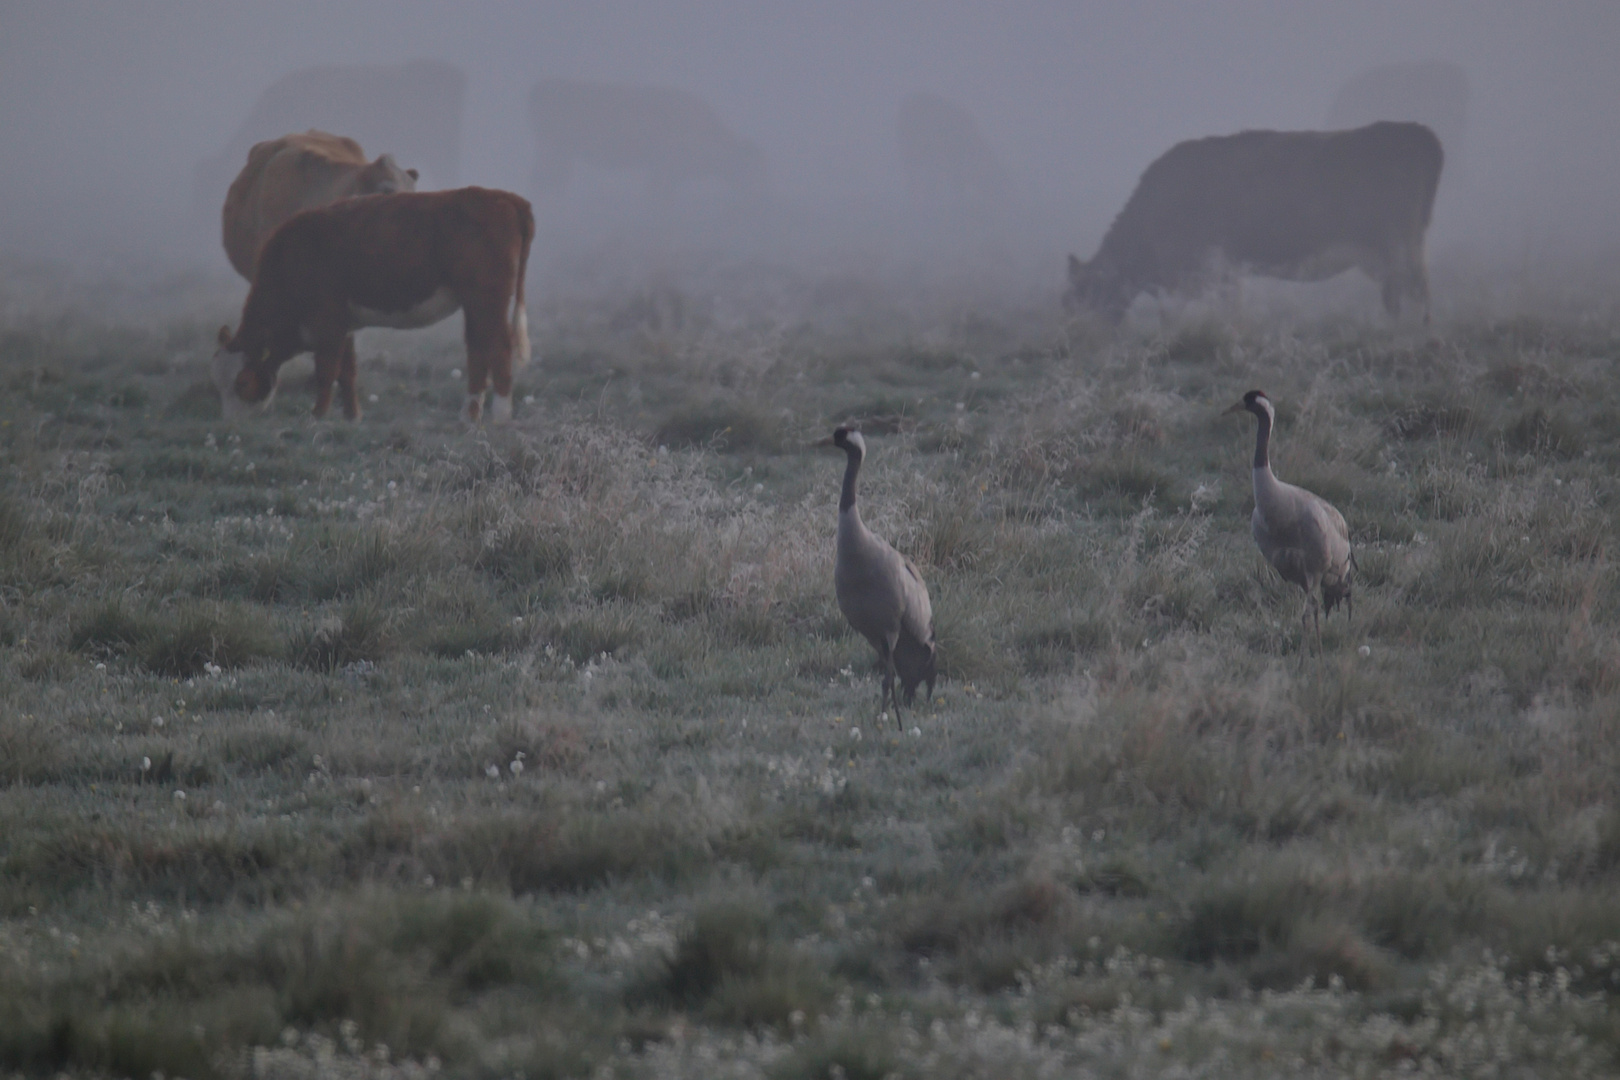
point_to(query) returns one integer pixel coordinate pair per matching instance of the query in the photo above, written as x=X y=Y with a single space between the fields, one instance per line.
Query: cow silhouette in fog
x=410 y=110
x=946 y=161
x=1433 y=93
x=1296 y=205
x=669 y=144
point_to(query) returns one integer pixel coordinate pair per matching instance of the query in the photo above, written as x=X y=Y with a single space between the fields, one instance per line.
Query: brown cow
x=403 y=260
x=296 y=172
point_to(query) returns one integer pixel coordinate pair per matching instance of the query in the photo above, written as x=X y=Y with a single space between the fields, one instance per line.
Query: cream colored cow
x=297 y=172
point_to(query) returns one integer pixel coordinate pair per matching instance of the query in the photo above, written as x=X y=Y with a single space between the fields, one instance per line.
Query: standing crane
x=880 y=591
x=1300 y=533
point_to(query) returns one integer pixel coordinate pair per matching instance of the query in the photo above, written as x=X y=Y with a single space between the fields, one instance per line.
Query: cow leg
x=1406 y=286
x=347 y=379
x=1405 y=294
x=477 y=378
x=1419 y=289
x=328 y=358
x=1393 y=294
x=489 y=353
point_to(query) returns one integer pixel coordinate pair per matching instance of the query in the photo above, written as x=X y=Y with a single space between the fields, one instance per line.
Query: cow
x=1297 y=205
x=295 y=172
x=669 y=140
x=404 y=260
x=946 y=161
x=411 y=109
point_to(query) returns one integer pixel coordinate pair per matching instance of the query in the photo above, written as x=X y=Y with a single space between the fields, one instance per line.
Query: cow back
x=393 y=252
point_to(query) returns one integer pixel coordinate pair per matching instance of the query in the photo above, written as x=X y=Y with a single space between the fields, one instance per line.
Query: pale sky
x=106 y=107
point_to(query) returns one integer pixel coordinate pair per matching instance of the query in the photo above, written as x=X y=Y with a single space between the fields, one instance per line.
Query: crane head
x=1251 y=403
x=846 y=437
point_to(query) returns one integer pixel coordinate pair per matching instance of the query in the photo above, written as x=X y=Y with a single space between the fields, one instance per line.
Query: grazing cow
x=670 y=140
x=411 y=109
x=296 y=172
x=1298 y=205
x=946 y=160
x=403 y=260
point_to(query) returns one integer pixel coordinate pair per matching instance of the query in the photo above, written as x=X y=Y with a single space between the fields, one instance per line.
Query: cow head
x=244 y=384
x=1094 y=288
x=384 y=175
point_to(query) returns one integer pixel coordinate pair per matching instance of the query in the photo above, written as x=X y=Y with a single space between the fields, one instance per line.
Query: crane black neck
x=846 y=500
x=1262 y=436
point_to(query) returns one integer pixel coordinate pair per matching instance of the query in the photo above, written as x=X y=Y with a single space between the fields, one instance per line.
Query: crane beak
x=828 y=441
x=1239 y=407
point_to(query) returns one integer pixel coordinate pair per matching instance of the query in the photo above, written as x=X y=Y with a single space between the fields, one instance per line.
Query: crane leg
x=891 y=681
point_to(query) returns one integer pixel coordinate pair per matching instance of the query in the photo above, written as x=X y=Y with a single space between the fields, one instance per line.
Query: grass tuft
x=179 y=643
x=726 y=966
x=726 y=428
x=363 y=630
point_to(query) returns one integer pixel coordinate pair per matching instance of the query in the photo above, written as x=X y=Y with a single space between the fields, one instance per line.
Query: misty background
x=107 y=109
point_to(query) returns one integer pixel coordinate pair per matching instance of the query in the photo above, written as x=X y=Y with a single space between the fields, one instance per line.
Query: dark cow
x=296 y=172
x=412 y=110
x=945 y=159
x=1297 y=205
x=403 y=260
x=671 y=140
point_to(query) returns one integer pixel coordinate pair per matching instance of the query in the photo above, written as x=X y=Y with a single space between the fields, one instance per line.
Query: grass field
x=400 y=748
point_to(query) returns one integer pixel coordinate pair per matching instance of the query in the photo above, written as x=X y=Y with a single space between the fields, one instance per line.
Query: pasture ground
x=394 y=748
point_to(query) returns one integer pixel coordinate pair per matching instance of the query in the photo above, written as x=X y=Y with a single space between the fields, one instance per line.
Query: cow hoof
x=500 y=409
x=475 y=408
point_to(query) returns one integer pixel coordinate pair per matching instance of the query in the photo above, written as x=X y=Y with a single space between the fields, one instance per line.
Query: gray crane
x=1301 y=535
x=880 y=591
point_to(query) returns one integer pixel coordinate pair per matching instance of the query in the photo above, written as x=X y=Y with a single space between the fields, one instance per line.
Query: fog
x=107 y=110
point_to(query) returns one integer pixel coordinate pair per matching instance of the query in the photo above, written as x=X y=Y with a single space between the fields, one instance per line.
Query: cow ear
x=413 y=174
x=384 y=160
x=224 y=336
x=1076 y=268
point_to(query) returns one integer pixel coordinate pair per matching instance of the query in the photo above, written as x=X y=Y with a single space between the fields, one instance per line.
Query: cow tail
x=520 y=315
